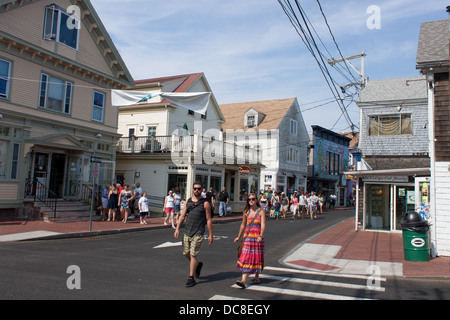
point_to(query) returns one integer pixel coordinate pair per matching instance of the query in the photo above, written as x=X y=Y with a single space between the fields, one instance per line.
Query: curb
x=89 y=234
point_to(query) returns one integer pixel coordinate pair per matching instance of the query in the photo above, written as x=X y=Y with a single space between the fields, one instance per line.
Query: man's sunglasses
x=197 y=189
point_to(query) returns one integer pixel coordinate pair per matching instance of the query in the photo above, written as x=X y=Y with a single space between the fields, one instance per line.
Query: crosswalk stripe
x=221 y=297
x=299 y=293
x=320 y=282
x=352 y=276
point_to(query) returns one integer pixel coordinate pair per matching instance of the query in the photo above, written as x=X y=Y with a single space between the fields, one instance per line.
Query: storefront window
x=180 y=181
x=216 y=184
x=3 y=154
x=202 y=179
x=423 y=197
x=405 y=201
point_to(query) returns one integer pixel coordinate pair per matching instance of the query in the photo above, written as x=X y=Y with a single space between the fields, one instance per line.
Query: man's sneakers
x=191 y=281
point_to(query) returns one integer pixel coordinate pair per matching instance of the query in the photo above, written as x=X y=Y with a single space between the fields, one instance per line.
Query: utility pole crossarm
x=333 y=61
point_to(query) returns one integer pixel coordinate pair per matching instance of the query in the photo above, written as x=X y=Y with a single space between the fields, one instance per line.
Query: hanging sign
x=244 y=170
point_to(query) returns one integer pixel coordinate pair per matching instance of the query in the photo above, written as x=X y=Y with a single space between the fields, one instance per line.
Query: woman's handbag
x=241 y=246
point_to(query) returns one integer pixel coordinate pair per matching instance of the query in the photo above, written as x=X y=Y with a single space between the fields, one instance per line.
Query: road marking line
x=352 y=276
x=299 y=293
x=322 y=283
x=221 y=297
x=169 y=244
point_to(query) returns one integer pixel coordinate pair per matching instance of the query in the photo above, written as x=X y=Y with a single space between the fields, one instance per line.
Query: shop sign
x=244 y=170
x=386 y=179
x=96 y=159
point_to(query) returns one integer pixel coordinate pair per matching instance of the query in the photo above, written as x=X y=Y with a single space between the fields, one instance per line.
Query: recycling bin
x=416 y=245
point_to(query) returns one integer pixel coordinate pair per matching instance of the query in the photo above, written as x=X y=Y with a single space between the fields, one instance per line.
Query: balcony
x=208 y=148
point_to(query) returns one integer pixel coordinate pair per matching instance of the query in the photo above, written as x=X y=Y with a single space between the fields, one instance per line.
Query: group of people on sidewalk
x=299 y=204
x=125 y=199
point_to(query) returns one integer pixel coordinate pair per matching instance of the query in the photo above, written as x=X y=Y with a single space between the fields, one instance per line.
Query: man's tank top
x=196 y=219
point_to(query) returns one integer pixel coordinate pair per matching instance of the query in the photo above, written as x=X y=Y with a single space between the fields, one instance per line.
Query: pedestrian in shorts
x=199 y=217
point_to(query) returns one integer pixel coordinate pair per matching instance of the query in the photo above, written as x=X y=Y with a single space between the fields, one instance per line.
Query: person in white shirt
x=169 y=209
x=143 y=207
x=302 y=205
x=313 y=205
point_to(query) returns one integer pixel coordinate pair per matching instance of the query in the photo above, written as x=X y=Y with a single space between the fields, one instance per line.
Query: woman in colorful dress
x=252 y=229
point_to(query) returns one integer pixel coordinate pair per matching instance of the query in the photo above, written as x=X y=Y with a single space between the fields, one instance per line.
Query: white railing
x=195 y=144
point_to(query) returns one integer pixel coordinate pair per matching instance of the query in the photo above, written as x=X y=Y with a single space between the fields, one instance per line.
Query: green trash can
x=416 y=245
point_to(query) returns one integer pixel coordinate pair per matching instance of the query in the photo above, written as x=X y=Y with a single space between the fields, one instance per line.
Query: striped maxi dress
x=252 y=257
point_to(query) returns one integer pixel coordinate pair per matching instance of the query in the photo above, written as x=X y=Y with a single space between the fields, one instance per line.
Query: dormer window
x=253 y=118
x=251 y=121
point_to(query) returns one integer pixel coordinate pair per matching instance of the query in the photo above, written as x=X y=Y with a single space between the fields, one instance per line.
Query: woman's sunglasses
x=251 y=199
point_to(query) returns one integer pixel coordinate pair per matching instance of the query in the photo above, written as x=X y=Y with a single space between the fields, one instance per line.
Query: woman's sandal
x=240 y=284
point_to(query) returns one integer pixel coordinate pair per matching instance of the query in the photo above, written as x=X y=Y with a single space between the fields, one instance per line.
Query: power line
x=334 y=40
x=308 y=39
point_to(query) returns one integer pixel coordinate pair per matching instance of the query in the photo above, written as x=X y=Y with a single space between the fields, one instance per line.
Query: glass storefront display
x=387 y=204
x=377 y=207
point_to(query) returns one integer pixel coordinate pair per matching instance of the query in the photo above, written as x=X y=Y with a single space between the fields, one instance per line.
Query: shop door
x=377 y=207
x=57 y=173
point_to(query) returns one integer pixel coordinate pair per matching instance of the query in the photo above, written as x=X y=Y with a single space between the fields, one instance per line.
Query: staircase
x=66 y=211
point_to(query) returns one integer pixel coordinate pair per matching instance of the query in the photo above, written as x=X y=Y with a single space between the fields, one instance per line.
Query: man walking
x=223 y=202
x=199 y=216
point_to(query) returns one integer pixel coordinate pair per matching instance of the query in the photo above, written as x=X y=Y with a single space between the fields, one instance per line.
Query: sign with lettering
x=385 y=179
x=244 y=170
x=96 y=159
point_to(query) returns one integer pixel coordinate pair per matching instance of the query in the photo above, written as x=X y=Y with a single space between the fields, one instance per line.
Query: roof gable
x=96 y=57
x=275 y=111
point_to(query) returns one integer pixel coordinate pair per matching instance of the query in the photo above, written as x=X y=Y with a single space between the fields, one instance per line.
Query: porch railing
x=146 y=144
x=194 y=143
x=37 y=190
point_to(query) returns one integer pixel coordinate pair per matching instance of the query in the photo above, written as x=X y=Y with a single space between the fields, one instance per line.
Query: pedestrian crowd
x=299 y=204
x=120 y=203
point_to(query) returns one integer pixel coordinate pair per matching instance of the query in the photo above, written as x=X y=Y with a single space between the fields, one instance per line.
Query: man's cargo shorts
x=192 y=245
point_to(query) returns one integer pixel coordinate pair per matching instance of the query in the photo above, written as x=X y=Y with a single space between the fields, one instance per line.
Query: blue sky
x=249 y=51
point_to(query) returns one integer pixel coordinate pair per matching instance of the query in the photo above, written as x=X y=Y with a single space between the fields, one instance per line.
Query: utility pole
x=361 y=74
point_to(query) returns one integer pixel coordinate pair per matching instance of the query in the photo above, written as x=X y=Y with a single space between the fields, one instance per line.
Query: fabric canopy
x=195 y=101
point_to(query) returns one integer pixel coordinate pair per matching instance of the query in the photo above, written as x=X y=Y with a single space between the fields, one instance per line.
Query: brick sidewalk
x=379 y=246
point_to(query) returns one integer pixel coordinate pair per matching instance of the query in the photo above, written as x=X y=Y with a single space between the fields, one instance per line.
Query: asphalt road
x=129 y=267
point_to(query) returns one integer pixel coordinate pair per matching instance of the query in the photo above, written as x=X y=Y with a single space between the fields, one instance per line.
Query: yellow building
x=57 y=68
